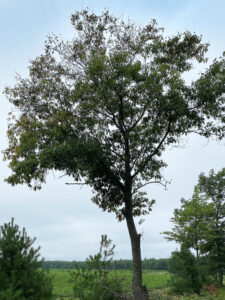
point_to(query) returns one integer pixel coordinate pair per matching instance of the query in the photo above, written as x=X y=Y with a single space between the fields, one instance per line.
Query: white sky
x=63 y=218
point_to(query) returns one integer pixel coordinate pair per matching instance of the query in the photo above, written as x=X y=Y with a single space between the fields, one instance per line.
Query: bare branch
x=63 y=175
x=76 y=183
x=164 y=184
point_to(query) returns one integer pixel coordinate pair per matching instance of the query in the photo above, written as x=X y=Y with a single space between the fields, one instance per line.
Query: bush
x=186 y=277
x=20 y=275
x=93 y=282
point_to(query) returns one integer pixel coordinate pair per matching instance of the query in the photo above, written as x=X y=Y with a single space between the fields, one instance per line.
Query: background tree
x=191 y=222
x=185 y=272
x=20 y=275
x=213 y=187
x=200 y=222
x=104 y=106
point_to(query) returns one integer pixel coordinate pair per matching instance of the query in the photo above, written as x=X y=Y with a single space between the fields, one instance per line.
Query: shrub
x=186 y=277
x=20 y=275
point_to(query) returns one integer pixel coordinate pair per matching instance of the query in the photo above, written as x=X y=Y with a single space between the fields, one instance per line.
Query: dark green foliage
x=93 y=282
x=20 y=275
x=121 y=264
x=213 y=187
x=104 y=106
x=200 y=222
x=59 y=264
x=186 y=276
x=191 y=221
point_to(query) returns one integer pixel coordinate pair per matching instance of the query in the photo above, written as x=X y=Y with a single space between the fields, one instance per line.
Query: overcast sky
x=66 y=223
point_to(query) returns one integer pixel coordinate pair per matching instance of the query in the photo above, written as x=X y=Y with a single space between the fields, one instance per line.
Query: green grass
x=222 y=293
x=62 y=284
x=152 y=279
x=156 y=282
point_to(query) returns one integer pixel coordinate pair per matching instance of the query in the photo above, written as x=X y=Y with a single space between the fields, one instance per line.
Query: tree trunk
x=220 y=276
x=197 y=255
x=139 y=292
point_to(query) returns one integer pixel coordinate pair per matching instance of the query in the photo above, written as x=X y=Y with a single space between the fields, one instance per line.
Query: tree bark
x=197 y=255
x=221 y=276
x=138 y=290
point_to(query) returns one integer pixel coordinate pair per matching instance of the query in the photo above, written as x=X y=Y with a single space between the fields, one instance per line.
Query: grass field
x=156 y=282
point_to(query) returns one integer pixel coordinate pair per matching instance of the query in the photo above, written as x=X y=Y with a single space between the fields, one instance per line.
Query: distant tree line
x=121 y=264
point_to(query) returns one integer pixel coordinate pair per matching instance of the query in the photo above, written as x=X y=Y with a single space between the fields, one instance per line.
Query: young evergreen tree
x=20 y=275
x=93 y=281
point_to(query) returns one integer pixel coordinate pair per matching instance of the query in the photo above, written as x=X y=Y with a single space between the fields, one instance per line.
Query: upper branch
x=142 y=167
x=164 y=184
x=138 y=120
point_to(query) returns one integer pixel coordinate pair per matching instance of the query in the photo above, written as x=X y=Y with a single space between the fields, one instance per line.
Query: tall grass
x=156 y=282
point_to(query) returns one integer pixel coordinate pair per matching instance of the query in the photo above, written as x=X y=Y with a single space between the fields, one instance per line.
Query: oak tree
x=104 y=106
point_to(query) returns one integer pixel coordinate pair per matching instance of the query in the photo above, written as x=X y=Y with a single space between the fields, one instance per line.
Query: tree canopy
x=115 y=91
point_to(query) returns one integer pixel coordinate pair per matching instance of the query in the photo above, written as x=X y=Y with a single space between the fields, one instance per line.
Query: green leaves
x=200 y=222
x=104 y=106
x=178 y=51
x=186 y=277
x=190 y=221
x=213 y=187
